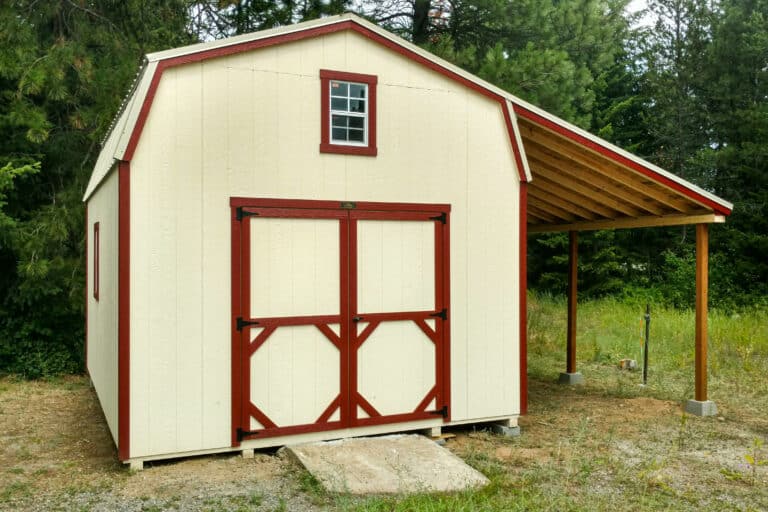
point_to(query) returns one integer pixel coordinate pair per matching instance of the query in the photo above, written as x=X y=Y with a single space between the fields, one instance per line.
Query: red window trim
x=96 y=261
x=325 y=108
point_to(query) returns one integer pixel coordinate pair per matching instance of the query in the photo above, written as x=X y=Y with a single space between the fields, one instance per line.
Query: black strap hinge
x=242 y=323
x=240 y=214
x=441 y=218
x=442 y=314
x=443 y=411
x=242 y=434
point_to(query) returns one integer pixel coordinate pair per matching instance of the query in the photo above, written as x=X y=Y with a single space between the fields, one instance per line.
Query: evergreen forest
x=681 y=83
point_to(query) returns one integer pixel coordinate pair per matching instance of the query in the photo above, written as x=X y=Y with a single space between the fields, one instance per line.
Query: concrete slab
x=396 y=464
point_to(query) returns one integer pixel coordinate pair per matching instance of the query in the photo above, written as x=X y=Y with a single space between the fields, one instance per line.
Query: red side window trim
x=96 y=260
x=325 y=108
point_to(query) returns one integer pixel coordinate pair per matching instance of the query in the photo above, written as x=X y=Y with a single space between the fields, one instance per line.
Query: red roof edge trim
x=621 y=159
x=434 y=66
x=162 y=65
x=213 y=53
x=143 y=113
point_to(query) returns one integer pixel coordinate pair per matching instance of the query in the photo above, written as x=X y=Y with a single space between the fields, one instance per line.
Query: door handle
x=357 y=318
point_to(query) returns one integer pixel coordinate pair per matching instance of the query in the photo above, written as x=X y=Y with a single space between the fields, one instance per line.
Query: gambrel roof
x=576 y=181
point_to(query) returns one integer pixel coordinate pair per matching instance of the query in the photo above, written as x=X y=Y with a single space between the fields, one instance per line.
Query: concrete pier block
x=247 y=453
x=137 y=465
x=571 y=379
x=697 y=408
x=505 y=430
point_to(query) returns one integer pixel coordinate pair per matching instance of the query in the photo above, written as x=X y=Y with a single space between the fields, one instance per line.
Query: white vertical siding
x=294 y=267
x=395 y=273
x=102 y=314
x=249 y=125
x=491 y=267
x=395 y=266
x=396 y=367
x=295 y=375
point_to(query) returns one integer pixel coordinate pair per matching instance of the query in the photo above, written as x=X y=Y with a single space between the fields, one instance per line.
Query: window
x=348 y=113
x=96 y=261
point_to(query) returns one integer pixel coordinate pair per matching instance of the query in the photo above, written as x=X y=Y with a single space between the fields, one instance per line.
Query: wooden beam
x=623 y=175
x=573 y=197
x=626 y=222
x=581 y=185
x=550 y=209
x=573 y=256
x=554 y=199
x=538 y=152
x=539 y=214
x=702 y=292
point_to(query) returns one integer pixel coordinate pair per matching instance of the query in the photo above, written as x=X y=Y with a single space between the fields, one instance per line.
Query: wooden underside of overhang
x=575 y=188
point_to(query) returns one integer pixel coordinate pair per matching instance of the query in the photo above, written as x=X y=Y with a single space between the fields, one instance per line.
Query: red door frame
x=349 y=340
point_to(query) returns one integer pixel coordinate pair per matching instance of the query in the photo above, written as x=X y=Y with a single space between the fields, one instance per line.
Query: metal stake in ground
x=645 y=347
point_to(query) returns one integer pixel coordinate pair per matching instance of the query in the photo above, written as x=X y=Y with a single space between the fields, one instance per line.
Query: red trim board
x=523 y=284
x=124 y=311
x=260 y=202
x=235 y=375
x=87 y=268
x=297 y=36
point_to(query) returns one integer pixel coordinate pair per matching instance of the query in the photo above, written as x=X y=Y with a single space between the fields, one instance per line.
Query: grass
x=581 y=469
x=609 y=445
x=609 y=330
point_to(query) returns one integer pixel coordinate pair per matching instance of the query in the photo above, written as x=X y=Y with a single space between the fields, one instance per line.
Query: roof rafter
x=602 y=165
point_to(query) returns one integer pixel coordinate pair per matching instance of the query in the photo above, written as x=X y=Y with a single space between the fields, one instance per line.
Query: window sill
x=342 y=149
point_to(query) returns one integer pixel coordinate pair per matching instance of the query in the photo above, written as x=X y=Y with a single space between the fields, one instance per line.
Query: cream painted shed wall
x=249 y=125
x=102 y=314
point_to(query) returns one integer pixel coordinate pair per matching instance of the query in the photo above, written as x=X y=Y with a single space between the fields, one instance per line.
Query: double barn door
x=339 y=315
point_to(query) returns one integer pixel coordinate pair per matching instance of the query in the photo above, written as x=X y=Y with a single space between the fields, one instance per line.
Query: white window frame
x=348 y=113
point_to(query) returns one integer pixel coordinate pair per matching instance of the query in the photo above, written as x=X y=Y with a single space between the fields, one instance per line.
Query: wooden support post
x=702 y=293
x=573 y=256
x=571 y=376
x=700 y=405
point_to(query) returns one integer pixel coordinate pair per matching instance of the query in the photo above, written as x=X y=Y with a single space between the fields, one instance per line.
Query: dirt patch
x=579 y=449
x=56 y=452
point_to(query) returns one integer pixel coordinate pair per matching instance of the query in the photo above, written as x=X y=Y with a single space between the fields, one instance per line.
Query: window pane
x=339 y=134
x=357 y=90
x=348 y=111
x=339 y=121
x=357 y=106
x=339 y=104
x=339 y=88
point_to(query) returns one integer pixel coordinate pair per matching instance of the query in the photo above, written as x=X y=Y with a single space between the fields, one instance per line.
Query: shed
x=319 y=231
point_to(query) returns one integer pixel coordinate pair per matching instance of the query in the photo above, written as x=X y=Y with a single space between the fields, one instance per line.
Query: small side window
x=96 y=261
x=348 y=113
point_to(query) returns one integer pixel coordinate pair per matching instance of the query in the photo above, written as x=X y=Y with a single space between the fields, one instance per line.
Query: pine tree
x=64 y=68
